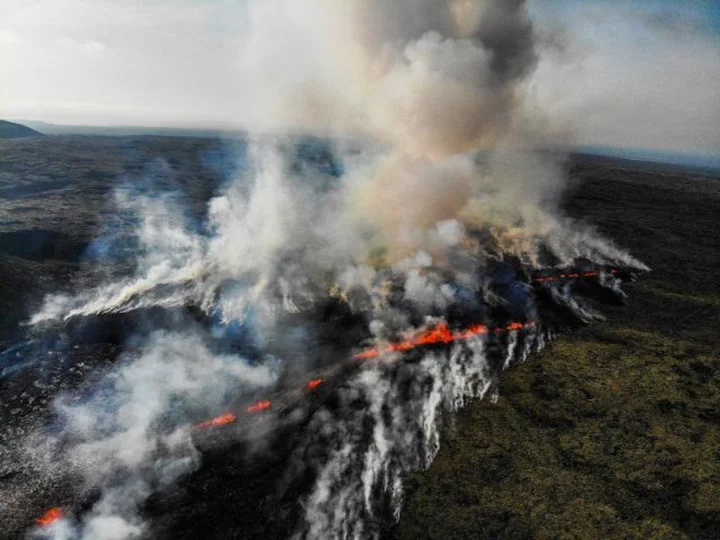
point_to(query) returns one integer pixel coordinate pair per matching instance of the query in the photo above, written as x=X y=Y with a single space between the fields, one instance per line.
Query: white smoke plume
x=435 y=87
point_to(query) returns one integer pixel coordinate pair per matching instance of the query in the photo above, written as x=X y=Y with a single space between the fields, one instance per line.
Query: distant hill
x=10 y=130
x=707 y=161
x=123 y=131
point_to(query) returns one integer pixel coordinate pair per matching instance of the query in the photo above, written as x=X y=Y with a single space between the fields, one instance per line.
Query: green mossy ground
x=614 y=430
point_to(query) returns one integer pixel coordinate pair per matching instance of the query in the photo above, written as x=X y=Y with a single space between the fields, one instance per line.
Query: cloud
x=631 y=77
x=106 y=62
x=637 y=74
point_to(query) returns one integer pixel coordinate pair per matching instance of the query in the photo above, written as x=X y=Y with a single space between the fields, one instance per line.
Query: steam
x=425 y=104
x=388 y=424
x=126 y=440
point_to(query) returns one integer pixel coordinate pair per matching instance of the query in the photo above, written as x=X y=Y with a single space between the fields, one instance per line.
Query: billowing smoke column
x=436 y=208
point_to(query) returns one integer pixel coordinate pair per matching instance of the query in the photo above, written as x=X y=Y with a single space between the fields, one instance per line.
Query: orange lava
x=573 y=275
x=314 y=384
x=438 y=334
x=367 y=354
x=221 y=420
x=229 y=418
x=514 y=326
x=261 y=405
x=435 y=335
x=50 y=516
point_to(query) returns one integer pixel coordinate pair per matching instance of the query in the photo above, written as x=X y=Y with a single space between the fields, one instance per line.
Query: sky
x=632 y=73
x=641 y=74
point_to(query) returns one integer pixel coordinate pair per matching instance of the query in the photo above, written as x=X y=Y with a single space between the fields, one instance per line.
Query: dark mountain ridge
x=11 y=130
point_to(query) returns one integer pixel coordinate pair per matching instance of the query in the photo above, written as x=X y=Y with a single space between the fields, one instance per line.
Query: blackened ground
x=56 y=197
x=613 y=431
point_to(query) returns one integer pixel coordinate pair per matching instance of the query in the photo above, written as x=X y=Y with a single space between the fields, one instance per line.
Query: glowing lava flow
x=261 y=405
x=435 y=335
x=50 y=516
x=572 y=275
x=439 y=334
x=312 y=385
x=221 y=420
